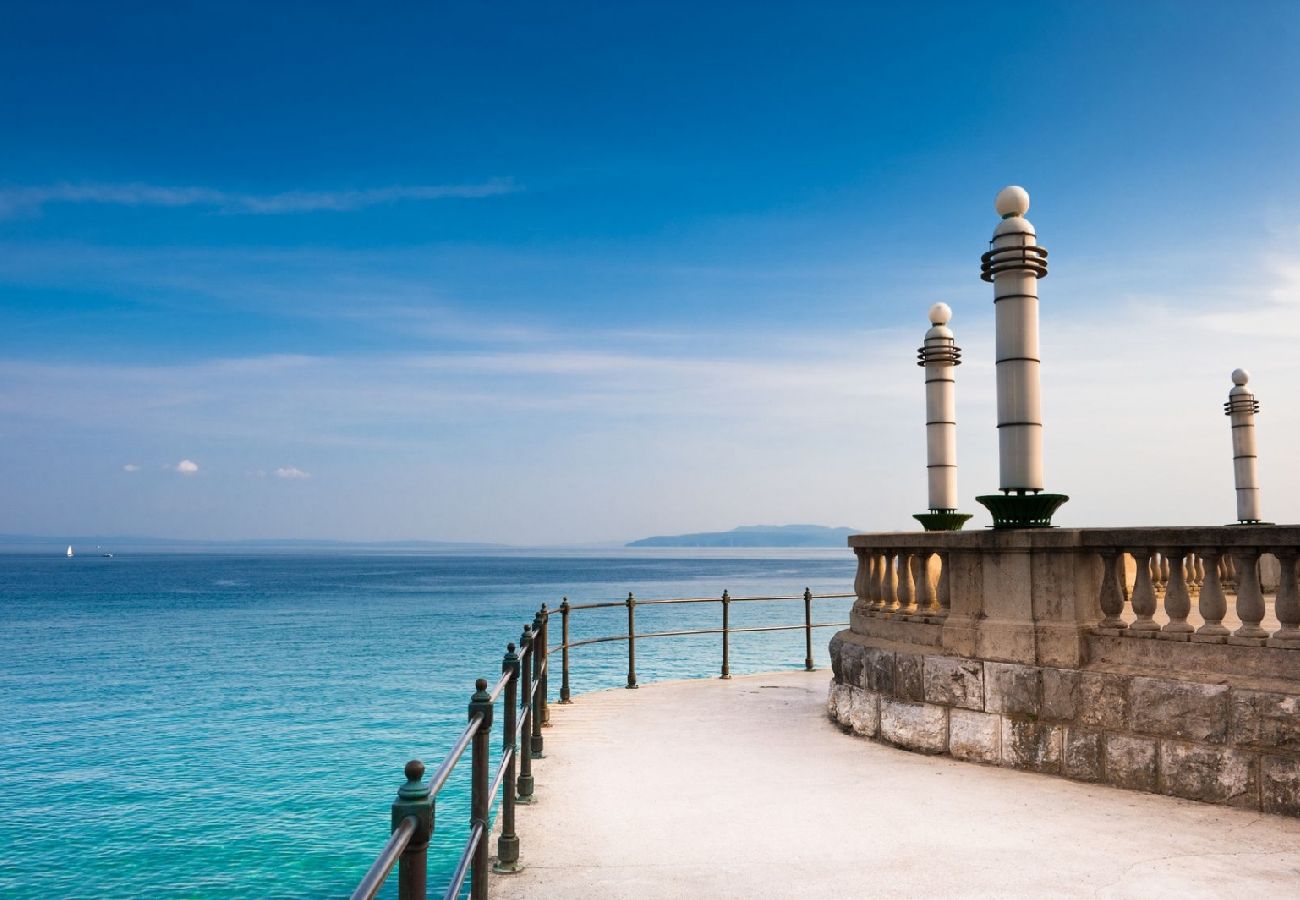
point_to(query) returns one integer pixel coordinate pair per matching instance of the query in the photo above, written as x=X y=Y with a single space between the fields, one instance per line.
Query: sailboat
x=69 y=551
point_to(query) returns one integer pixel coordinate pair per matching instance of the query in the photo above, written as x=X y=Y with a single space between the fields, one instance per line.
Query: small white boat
x=69 y=551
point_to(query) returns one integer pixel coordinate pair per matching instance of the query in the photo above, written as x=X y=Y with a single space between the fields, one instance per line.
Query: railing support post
x=543 y=690
x=508 y=841
x=413 y=800
x=480 y=705
x=564 y=651
x=525 y=783
x=631 y=641
x=807 y=629
x=535 y=717
x=726 y=626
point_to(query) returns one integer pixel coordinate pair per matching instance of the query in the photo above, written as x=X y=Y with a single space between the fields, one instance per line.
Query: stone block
x=1060 y=694
x=915 y=726
x=1031 y=745
x=1279 y=785
x=975 y=735
x=1266 y=720
x=1084 y=754
x=1187 y=710
x=950 y=681
x=909 y=684
x=1102 y=700
x=850 y=671
x=1131 y=762
x=1012 y=688
x=864 y=713
x=837 y=706
x=1211 y=774
x=878 y=670
x=836 y=651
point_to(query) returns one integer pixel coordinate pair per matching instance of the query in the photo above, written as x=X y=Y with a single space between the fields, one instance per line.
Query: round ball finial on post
x=1012 y=200
x=940 y=314
x=1240 y=377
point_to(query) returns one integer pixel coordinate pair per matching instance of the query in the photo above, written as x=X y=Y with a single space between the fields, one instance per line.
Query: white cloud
x=130 y=467
x=26 y=200
x=291 y=472
x=187 y=467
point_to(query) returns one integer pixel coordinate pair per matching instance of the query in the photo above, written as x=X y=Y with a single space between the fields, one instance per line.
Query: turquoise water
x=196 y=725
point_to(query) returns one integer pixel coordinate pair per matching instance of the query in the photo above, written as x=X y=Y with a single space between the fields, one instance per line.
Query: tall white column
x=1014 y=264
x=938 y=356
x=1241 y=408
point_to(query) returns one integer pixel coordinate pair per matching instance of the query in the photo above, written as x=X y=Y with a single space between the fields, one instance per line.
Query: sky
x=584 y=272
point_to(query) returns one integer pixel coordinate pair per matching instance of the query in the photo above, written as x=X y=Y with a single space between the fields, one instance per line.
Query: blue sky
x=584 y=272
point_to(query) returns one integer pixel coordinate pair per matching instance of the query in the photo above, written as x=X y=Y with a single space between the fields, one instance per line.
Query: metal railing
x=525 y=711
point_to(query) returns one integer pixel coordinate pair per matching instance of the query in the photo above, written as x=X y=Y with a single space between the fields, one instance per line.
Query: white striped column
x=1241 y=408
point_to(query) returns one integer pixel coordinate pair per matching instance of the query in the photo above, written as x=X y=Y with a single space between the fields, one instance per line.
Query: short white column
x=1240 y=409
x=938 y=356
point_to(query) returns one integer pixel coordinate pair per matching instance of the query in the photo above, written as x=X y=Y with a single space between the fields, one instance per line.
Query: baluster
x=1213 y=603
x=860 y=602
x=906 y=597
x=413 y=800
x=1288 y=601
x=1144 y=596
x=508 y=840
x=874 y=589
x=1157 y=579
x=1112 y=590
x=925 y=599
x=943 y=591
x=889 y=583
x=1178 y=602
x=480 y=812
x=1191 y=574
x=1250 y=600
x=1229 y=573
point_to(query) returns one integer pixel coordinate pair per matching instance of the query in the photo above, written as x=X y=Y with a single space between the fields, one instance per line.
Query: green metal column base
x=1022 y=510
x=508 y=846
x=942 y=521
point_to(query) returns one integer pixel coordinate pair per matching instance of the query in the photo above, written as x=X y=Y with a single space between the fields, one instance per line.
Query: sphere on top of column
x=1240 y=377
x=1012 y=200
x=940 y=314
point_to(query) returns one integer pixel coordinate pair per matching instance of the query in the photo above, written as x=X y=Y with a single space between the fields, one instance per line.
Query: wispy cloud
x=187 y=467
x=130 y=467
x=27 y=200
x=292 y=473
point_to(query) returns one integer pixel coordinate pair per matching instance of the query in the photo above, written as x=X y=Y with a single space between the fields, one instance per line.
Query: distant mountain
x=756 y=536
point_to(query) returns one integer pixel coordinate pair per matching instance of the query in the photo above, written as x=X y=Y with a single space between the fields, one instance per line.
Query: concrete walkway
x=743 y=788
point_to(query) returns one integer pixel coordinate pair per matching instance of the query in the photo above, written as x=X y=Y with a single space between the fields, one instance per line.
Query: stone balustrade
x=1160 y=659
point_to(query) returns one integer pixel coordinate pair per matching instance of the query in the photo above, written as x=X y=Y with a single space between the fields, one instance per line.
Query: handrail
x=650 y=634
x=449 y=761
x=462 y=867
x=378 y=871
x=525 y=713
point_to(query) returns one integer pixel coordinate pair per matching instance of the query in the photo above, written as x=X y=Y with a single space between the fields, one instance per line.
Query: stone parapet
x=1229 y=741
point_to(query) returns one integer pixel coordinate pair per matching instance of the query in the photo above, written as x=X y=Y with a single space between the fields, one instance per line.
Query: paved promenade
x=743 y=788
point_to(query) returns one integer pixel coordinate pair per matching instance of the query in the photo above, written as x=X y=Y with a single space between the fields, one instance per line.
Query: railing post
x=1112 y=590
x=1250 y=600
x=525 y=783
x=1178 y=600
x=631 y=641
x=480 y=804
x=1144 y=595
x=539 y=684
x=1287 y=604
x=413 y=800
x=807 y=629
x=564 y=651
x=545 y=615
x=726 y=626
x=508 y=840
x=1212 y=602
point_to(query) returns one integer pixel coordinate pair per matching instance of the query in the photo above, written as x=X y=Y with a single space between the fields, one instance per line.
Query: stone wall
x=1228 y=741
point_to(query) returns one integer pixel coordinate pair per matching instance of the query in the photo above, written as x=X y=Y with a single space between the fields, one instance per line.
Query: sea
x=235 y=724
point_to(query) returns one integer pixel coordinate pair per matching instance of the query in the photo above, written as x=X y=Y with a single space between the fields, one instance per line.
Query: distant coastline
x=755 y=536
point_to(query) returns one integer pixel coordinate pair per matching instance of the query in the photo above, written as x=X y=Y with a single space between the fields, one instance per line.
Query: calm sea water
x=206 y=725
